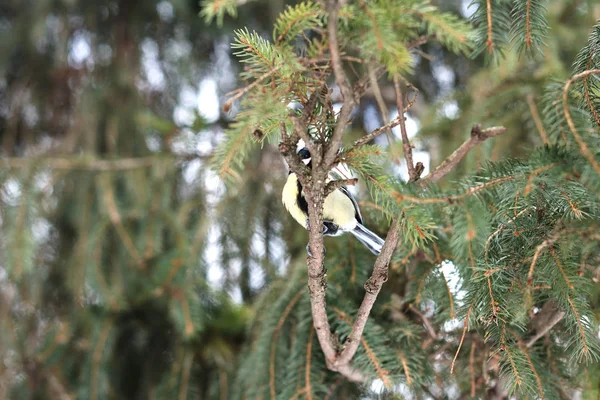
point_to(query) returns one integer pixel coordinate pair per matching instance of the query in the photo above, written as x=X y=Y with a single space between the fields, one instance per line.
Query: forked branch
x=314 y=181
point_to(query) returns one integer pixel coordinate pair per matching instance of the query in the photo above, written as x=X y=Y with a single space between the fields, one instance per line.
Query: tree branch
x=241 y=92
x=316 y=188
x=555 y=319
x=367 y=138
x=585 y=151
x=413 y=172
x=372 y=286
x=83 y=163
x=338 y=183
x=477 y=136
x=340 y=80
x=428 y=325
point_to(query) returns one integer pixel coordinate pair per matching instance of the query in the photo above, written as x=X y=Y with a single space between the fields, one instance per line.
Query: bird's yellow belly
x=289 y=198
x=338 y=208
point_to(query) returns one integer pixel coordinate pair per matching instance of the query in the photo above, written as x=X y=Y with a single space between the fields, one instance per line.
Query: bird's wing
x=344 y=190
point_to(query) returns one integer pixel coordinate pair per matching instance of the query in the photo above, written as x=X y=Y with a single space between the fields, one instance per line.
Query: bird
x=340 y=210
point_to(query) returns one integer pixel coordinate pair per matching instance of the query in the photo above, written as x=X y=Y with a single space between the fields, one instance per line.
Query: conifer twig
x=462 y=338
x=414 y=172
x=428 y=325
x=477 y=136
x=536 y=118
x=340 y=80
x=338 y=183
x=582 y=144
x=82 y=163
x=556 y=318
x=383 y=110
x=241 y=92
x=367 y=138
x=548 y=242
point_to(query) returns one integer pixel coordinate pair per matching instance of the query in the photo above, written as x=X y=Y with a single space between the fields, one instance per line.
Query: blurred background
x=127 y=268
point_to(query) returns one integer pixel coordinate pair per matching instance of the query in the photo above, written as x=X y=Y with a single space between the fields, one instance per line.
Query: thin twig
x=338 y=183
x=244 y=90
x=383 y=110
x=88 y=164
x=465 y=328
x=499 y=230
x=185 y=376
x=477 y=136
x=582 y=145
x=450 y=199
x=340 y=80
x=367 y=138
x=536 y=118
x=428 y=325
x=556 y=318
x=116 y=220
x=419 y=41
x=548 y=242
x=413 y=174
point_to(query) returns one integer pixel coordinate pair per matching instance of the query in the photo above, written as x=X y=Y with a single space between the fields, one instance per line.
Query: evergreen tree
x=111 y=233
x=518 y=232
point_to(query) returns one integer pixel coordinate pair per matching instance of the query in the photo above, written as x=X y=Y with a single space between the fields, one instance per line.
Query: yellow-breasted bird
x=340 y=210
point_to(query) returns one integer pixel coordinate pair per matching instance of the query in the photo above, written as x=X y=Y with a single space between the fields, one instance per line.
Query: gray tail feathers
x=373 y=242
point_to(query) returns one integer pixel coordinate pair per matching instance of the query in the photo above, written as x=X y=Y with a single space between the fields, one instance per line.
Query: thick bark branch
x=372 y=286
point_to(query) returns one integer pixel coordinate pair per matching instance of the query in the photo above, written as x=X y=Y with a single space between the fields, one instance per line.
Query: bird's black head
x=305 y=156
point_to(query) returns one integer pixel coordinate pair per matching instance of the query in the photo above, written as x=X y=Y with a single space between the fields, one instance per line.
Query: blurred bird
x=340 y=210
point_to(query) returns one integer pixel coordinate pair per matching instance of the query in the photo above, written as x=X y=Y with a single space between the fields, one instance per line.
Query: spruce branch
x=425 y=320
x=536 y=118
x=340 y=79
x=414 y=172
x=555 y=319
x=585 y=151
x=462 y=338
x=241 y=92
x=83 y=163
x=278 y=328
x=338 y=183
x=477 y=136
x=383 y=110
x=367 y=138
x=372 y=287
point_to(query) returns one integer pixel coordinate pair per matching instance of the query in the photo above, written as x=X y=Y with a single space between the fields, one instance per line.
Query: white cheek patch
x=300 y=145
x=306 y=161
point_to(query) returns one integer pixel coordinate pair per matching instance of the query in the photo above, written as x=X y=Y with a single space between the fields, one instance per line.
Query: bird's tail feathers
x=373 y=242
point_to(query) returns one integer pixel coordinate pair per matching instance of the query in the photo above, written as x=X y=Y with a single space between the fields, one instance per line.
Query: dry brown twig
x=477 y=136
x=414 y=172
